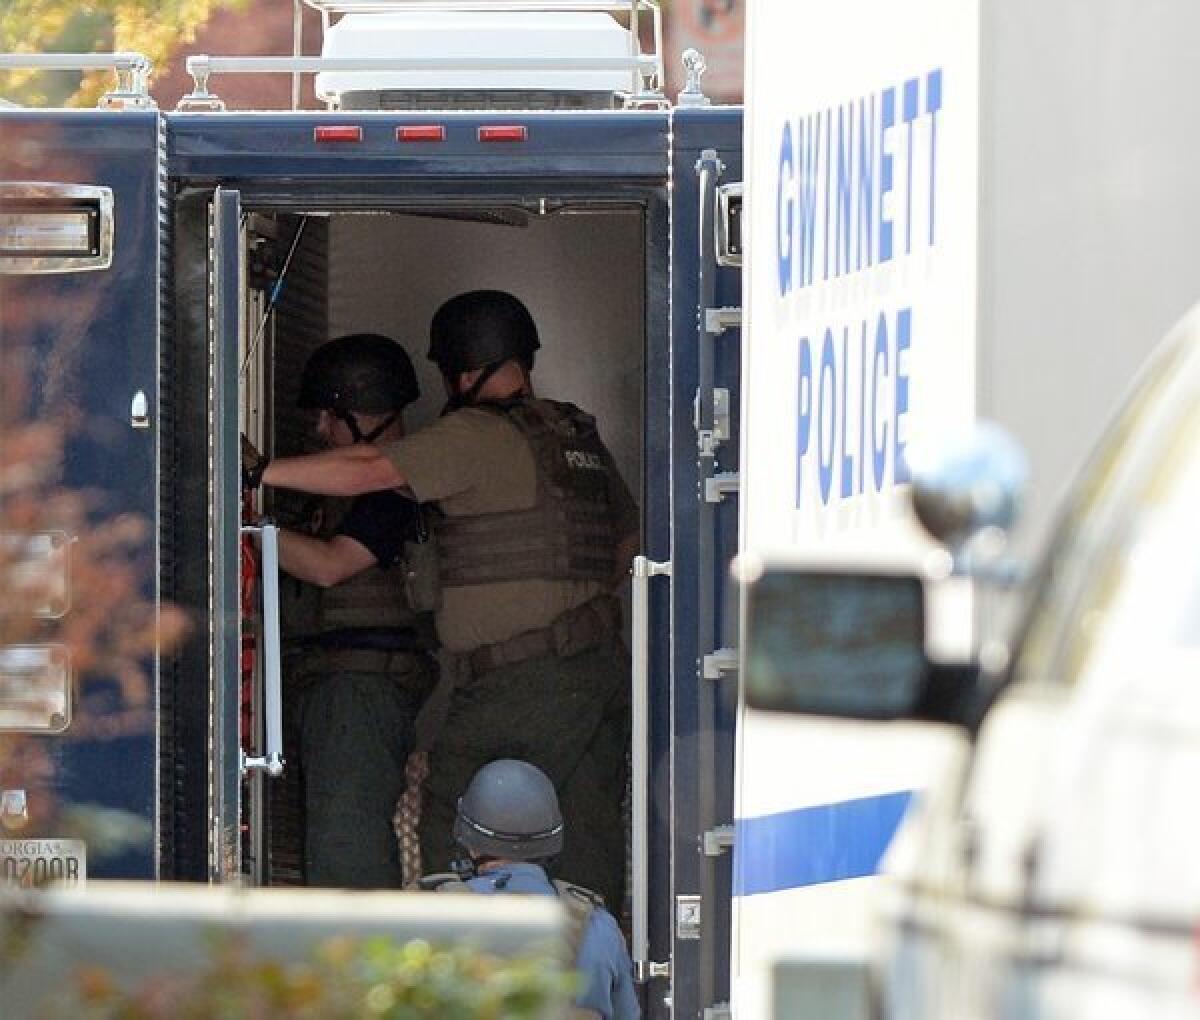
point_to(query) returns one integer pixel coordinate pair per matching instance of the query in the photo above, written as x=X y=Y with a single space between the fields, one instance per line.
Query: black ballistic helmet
x=362 y=372
x=481 y=328
x=510 y=811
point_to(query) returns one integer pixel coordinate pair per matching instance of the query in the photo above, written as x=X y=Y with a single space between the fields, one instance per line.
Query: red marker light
x=503 y=133
x=421 y=133
x=338 y=133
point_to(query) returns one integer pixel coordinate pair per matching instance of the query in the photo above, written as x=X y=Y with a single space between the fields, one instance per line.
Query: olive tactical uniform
x=365 y=662
x=365 y=669
x=533 y=510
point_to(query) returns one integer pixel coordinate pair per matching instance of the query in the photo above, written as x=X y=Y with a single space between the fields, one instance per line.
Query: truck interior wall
x=300 y=325
x=301 y=321
x=581 y=274
x=1089 y=215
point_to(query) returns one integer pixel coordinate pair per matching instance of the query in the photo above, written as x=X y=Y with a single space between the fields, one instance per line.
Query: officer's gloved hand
x=253 y=464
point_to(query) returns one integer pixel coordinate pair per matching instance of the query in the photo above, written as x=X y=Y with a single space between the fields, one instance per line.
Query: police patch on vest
x=570 y=531
x=581 y=459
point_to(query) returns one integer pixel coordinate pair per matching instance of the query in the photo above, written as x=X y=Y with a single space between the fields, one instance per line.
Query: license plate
x=32 y=862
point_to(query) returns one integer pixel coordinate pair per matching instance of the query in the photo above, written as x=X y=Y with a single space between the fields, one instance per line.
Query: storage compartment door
x=226 y=275
x=80 y=243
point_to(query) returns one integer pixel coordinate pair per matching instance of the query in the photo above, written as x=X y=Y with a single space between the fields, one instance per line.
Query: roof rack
x=132 y=71
x=647 y=72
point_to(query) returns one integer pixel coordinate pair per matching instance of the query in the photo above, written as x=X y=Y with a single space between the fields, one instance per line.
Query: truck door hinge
x=718 y=320
x=718 y=663
x=708 y=439
x=720 y=485
x=721 y=413
x=710 y=158
x=717 y=840
x=720 y=1011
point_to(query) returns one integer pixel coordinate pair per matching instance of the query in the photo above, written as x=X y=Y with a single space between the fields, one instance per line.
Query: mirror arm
x=953 y=692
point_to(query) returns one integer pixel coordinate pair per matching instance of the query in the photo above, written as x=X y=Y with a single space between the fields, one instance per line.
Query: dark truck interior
x=581 y=266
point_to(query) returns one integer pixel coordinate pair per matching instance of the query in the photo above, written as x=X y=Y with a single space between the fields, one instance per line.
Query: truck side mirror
x=967 y=490
x=835 y=643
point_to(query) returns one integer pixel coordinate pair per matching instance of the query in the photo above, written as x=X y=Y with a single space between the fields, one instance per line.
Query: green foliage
x=374 y=979
x=156 y=28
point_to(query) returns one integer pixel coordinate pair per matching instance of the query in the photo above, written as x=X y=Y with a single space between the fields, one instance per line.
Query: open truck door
x=225 y=273
x=81 y=241
x=691 y=532
x=246 y=713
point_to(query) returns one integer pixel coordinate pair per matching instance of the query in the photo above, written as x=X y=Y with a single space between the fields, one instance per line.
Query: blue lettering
x=846 y=467
x=810 y=142
x=804 y=408
x=878 y=454
x=845 y=187
x=862 y=408
x=826 y=411
x=838 y=165
x=910 y=114
x=879 y=444
x=903 y=341
x=828 y=117
x=933 y=103
x=784 y=212
x=887 y=119
x=866 y=183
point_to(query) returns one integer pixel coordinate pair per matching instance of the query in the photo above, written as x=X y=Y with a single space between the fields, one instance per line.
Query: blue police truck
x=163 y=276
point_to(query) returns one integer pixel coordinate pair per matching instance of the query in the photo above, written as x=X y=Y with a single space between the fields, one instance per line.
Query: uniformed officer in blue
x=509 y=822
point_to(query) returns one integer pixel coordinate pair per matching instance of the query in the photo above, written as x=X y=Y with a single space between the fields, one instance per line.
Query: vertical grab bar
x=643 y=569
x=272 y=763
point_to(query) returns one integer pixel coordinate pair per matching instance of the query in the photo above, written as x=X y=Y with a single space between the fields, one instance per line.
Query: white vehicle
x=1055 y=876
x=954 y=210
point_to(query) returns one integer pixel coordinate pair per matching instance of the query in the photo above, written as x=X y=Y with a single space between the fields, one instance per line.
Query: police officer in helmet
x=508 y=821
x=536 y=528
x=364 y=658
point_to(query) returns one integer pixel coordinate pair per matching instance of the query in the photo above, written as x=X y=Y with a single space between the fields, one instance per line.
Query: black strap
x=356 y=433
x=461 y=400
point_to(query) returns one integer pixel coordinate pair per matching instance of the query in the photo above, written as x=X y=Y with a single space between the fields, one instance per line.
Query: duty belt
x=366 y=649
x=367 y=660
x=577 y=630
x=375 y=639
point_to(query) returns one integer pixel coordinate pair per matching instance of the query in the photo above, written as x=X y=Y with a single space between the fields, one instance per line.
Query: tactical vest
x=569 y=534
x=580 y=903
x=374 y=598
